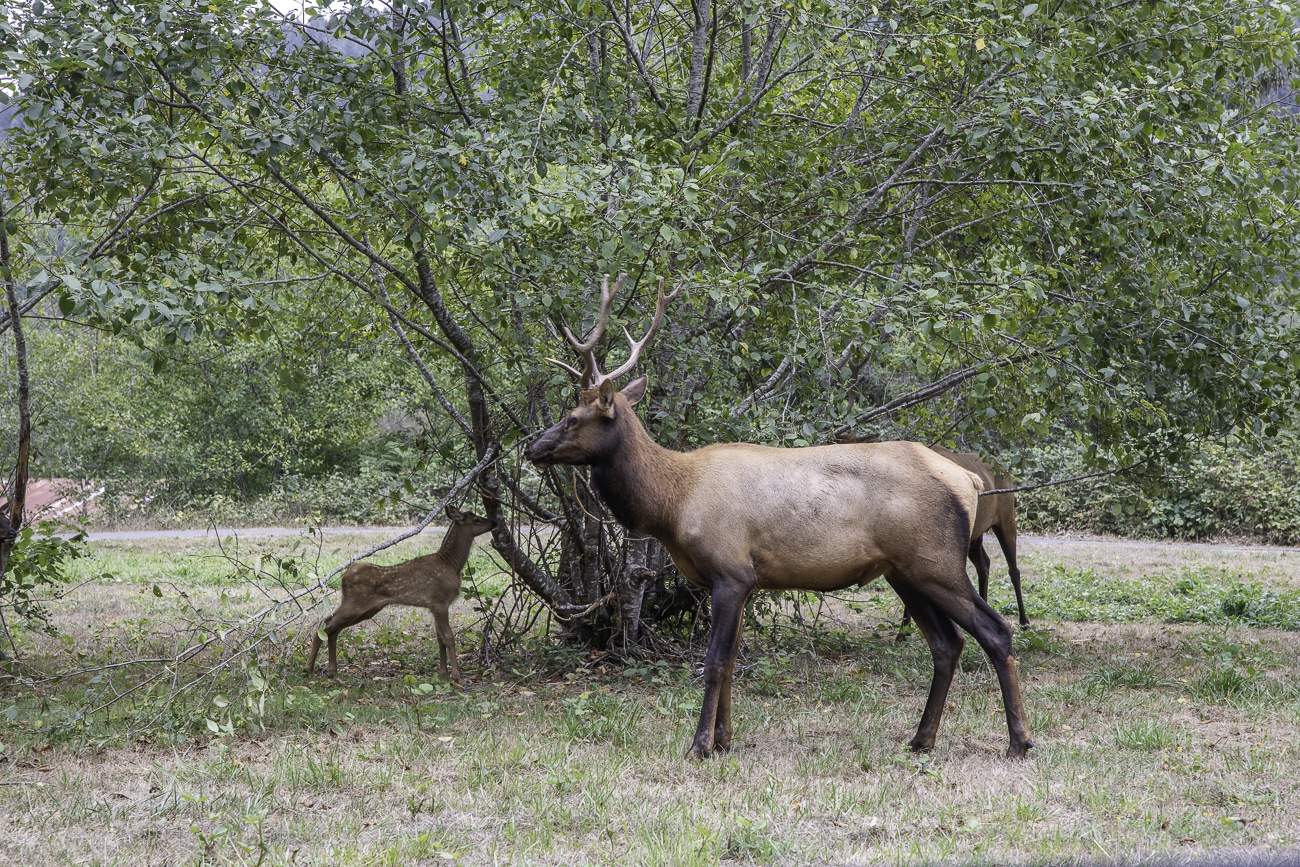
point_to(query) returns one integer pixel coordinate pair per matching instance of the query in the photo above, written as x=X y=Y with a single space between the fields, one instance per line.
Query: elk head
x=471 y=522
x=591 y=430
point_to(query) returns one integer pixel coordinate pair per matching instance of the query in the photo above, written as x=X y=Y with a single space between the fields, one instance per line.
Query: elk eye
x=570 y=421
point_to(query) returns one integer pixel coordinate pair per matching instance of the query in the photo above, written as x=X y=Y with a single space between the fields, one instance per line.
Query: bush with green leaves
x=36 y=565
x=1227 y=489
x=958 y=219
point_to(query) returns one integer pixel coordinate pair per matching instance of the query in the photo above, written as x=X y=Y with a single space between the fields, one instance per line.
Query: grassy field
x=1163 y=688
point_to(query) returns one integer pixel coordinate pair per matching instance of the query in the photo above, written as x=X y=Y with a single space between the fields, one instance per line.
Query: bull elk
x=431 y=581
x=737 y=517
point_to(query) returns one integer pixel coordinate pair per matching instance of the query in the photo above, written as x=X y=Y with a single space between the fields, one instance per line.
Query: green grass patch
x=1184 y=594
x=1174 y=741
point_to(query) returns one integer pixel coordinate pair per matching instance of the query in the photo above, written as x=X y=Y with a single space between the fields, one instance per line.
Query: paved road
x=332 y=531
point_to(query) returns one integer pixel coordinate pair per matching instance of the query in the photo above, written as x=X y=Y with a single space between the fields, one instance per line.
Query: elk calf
x=432 y=582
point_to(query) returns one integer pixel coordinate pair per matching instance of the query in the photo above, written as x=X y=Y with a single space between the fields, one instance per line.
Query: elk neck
x=641 y=482
x=455 y=546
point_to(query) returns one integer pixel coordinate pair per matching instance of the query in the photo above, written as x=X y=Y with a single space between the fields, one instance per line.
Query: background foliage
x=995 y=224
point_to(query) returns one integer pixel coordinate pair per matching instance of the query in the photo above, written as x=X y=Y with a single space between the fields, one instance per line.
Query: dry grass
x=1172 y=741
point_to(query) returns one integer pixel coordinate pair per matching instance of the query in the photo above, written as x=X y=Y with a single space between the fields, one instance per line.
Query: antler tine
x=598 y=331
x=661 y=304
x=590 y=374
x=556 y=361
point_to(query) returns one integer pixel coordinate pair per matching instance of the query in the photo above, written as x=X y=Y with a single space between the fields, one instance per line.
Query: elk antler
x=661 y=304
x=587 y=348
x=590 y=376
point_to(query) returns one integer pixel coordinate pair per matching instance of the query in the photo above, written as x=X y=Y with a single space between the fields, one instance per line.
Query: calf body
x=431 y=582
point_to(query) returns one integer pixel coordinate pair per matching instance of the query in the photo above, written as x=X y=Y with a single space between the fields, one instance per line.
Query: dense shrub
x=1228 y=490
x=315 y=425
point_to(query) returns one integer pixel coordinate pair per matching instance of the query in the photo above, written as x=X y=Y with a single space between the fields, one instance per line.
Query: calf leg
x=336 y=623
x=903 y=624
x=729 y=594
x=946 y=644
x=315 y=646
x=446 y=646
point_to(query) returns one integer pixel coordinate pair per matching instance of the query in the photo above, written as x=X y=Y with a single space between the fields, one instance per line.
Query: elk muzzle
x=541 y=450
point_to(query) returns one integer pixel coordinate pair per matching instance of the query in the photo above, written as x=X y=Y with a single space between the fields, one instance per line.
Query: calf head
x=475 y=525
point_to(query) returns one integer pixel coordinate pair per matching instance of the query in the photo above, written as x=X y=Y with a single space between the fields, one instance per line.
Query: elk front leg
x=729 y=595
x=722 y=727
x=446 y=646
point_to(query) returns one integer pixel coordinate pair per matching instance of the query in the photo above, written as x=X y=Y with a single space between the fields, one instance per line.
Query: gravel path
x=250 y=531
x=333 y=531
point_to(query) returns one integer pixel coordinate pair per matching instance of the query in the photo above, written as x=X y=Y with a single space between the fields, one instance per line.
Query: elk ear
x=635 y=389
x=605 y=398
x=453 y=513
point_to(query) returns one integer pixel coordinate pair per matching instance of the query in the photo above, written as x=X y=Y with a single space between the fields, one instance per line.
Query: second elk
x=431 y=582
x=737 y=517
x=996 y=512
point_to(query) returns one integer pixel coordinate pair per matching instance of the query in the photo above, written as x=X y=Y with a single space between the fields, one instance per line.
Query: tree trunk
x=19 y=497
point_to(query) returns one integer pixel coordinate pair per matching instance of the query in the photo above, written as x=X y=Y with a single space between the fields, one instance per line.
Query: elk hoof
x=1019 y=753
x=697 y=753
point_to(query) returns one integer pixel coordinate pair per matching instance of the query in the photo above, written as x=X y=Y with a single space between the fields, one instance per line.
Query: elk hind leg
x=336 y=623
x=993 y=634
x=1007 y=539
x=946 y=644
x=315 y=645
x=980 y=558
